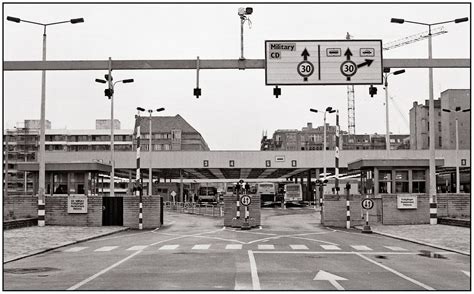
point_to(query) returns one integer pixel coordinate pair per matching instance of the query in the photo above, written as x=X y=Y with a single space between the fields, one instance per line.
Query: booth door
x=112 y=211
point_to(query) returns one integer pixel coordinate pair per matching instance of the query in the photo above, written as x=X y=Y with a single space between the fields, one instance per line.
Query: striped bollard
x=336 y=154
x=41 y=212
x=237 y=215
x=348 y=214
x=433 y=211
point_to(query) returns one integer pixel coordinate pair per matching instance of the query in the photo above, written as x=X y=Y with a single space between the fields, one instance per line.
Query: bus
x=267 y=193
x=293 y=193
x=207 y=194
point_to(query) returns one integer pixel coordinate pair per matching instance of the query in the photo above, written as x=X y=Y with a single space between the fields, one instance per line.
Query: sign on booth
x=77 y=204
x=407 y=202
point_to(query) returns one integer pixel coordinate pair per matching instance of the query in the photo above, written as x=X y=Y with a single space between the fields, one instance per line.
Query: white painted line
x=102 y=272
x=330 y=247
x=467 y=273
x=395 y=248
x=201 y=246
x=168 y=247
x=361 y=248
x=426 y=287
x=106 y=248
x=314 y=240
x=233 y=246
x=136 y=248
x=253 y=271
x=266 y=247
x=348 y=252
x=75 y=249
x=299 y=247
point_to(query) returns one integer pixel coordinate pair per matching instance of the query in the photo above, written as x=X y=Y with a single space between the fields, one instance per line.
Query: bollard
x=348 y=213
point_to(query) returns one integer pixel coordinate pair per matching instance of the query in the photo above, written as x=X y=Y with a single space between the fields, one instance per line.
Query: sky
x=236 y=105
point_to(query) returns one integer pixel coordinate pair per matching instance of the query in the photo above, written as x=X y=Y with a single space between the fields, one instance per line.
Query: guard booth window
x=385 y=181
x=419 y=181
x=401 y=181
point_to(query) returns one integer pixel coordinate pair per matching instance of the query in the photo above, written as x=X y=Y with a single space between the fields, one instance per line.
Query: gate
x=112 y=211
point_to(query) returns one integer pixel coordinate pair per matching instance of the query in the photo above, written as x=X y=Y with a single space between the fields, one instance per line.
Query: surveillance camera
x=245 y=11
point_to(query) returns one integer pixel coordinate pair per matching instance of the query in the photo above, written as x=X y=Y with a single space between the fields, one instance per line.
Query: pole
x=42 y=153
x=242 y=20
x=324 y=146
x=387 y=133
x=433 y=202
x=139 y=191
x=112 y=151
x=150 y=175
x=458 y=179
x=337 y=154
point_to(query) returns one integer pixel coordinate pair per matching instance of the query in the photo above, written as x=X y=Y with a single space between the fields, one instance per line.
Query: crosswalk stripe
x=75 y=249
x=106 y=248
x=233 y=246
x=330 y=247
x=395 y=248
x=299 y=247
x=266 y=247
x=137 y=248
x=168 y=247
x=201 y=246
x=361 y=248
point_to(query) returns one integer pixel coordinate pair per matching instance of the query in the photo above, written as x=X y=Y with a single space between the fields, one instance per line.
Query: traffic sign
x=323 y=62
x=245 y=200
x=367 y=203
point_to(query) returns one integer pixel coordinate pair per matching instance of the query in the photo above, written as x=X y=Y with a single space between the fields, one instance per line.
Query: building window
x=385 y=181
x=401 y=181
x=166 y=146
x=440 y=140
x=419 y=181
x=156 y=147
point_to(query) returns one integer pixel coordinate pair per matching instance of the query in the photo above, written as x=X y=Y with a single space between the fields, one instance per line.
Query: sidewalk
x=440 y=236
x=23 y=242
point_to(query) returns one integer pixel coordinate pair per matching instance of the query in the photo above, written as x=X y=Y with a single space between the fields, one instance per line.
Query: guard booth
x=393 y=176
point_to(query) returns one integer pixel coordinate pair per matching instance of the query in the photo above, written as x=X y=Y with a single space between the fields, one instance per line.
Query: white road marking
x=395 y=272
x=106 y=248
x=361 y=248
x=467 y=273
x=253 y=271
x=206 y=237
x=299 y=247
x=201 y=246
x=102 y=272
x=233 y=246
x=330 y=247
x=136 y=248
x=395 y=248
x=75 y=249
x=168 y=247
x=331 y=278
x=266 y=247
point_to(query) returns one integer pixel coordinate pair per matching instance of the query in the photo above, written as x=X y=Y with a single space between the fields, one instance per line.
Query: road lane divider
x=253 y=271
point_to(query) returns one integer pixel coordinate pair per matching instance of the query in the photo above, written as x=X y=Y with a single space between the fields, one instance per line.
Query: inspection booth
x=69 y=178
x=393 y=176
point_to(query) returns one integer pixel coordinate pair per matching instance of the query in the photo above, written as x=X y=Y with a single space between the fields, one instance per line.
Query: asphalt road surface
x=291 y=251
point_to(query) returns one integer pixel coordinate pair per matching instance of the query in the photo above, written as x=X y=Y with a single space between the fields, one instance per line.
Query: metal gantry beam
x=206 y=64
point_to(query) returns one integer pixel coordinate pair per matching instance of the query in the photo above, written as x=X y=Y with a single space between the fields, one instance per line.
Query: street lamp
x=243 y=12
x=432 y=166
x=328 y=110
x=387 y=134
x=42 y=149
x=150 y=177
x=458 y=180
x=110 y=93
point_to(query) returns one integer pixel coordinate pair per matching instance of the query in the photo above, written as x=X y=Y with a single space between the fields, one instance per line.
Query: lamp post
x=243 y=12
x=458 y=179
x=150 y=175
x=387 y=134
x=110 y=93
x=42 y=149
x=432 y=167
x=328 y=110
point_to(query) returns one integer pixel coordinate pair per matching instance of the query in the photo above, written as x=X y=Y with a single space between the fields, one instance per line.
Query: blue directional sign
x=323 y=62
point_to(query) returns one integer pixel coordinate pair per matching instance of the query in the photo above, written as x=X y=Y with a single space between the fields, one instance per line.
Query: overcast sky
x=235 y=106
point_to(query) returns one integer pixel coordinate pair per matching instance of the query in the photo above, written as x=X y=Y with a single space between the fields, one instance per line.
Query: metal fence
x=214 y=210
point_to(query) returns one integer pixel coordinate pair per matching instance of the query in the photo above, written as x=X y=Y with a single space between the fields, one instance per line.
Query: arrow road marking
x=331 y=278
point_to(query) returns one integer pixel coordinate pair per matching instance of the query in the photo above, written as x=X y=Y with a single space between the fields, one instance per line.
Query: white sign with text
x=407 y=201
x=77 y=204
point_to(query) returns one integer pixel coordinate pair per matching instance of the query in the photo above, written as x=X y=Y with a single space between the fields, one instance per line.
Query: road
x=291 y=251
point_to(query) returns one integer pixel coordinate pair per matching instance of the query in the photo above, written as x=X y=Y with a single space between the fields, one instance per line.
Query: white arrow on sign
x=331 y=278
x=467 y=273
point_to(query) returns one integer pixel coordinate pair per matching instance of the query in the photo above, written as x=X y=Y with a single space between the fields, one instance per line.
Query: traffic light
x=197 y=92
x=109 y=92
x=372 y=91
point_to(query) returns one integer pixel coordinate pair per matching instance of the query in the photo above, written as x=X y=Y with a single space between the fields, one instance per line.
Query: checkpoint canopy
x=323 y=62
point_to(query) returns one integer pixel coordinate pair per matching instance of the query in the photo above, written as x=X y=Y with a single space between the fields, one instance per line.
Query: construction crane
x=388 y=46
